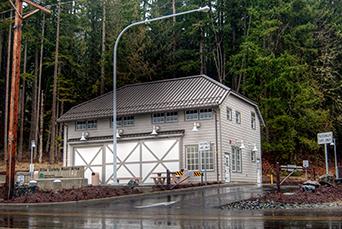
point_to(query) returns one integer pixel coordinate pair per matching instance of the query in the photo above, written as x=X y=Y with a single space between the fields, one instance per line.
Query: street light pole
x=336 y=167
x=201 y=9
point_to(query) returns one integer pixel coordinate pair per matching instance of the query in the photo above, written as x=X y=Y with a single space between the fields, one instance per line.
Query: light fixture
x=254 y=148
x=242 y=146
x=155 y=130
x=84 y=136
x=332 y=143
x=196 y=126
x=119 y=132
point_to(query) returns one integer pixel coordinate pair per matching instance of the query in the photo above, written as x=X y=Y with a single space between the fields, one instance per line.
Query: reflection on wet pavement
x=188 y=211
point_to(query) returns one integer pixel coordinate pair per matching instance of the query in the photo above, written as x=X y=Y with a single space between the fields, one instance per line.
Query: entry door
x=227 y=167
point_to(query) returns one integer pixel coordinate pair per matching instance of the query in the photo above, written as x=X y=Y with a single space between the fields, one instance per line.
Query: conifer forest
x=284 y=54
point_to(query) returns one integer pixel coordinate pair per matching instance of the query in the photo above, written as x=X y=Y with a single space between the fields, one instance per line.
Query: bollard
x=95 y=178
x=278 y=176
x=57 y=184
x=168 y=178
x=271 y=179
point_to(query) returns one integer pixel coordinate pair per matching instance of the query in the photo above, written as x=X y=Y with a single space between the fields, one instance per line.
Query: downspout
x=216 y=147
x=65 y=146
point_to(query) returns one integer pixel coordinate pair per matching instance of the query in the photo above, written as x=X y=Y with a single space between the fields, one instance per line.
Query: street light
x=201 y=9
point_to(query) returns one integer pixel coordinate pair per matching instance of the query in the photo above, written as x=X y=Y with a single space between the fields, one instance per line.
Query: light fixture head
x=196 y=126
x=254 y=148
x=204 y=9
x=333 y=142
x=242 y=146
x=33 y=144
x=155 y=130
x=84 y=136
x=119 y=132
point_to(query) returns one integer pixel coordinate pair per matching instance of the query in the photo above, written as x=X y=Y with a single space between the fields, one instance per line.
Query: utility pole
x=14 y=98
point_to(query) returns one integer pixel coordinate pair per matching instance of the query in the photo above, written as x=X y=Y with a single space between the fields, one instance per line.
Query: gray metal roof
x=173 y=94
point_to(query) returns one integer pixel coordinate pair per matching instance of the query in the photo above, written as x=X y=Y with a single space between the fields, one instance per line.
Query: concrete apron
x=121 y=198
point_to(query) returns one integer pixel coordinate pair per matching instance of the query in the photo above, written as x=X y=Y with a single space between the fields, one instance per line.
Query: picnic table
x=160 y=177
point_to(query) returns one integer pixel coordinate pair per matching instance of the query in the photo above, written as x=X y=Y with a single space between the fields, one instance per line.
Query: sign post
x=306 y=166
x=325 y=138
x=204 y=146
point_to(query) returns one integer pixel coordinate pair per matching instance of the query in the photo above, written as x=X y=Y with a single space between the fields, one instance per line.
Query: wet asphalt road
x=191 y=210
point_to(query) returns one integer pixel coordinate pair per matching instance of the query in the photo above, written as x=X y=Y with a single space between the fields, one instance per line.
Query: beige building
x=191 y=123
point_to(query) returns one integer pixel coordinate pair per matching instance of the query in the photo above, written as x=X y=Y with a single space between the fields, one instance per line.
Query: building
x=192 y=123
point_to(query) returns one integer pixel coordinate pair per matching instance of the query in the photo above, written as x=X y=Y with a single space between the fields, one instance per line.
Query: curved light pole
x=201 y=9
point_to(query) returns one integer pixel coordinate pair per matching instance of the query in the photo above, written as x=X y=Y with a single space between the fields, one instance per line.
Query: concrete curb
x=119 y=198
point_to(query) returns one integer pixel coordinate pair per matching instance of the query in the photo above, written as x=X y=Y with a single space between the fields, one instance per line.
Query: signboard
x=324 y=138
x=203 y=146
x=305 y=164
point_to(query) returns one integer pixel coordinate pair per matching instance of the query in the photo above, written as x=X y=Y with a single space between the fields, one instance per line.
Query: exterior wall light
x=84 y=136
x=255 y=148
x=196 y=126
x=242 y=146
x=119 y=132
x=155 y=130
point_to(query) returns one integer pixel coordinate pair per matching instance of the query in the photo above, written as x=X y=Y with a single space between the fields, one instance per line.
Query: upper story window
x=86 y=125
x=191 y=115
x=124 y=121
x=202 y=114
x=237 y=117
x=205 y=114
x=229 y=114
x=168 y=117
x=253 y=120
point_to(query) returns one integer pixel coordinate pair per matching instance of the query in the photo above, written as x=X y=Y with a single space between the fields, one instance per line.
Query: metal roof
x=172 y=94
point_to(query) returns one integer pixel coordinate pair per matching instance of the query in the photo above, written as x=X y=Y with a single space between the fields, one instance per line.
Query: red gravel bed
x=85 y=193
x=322 y=195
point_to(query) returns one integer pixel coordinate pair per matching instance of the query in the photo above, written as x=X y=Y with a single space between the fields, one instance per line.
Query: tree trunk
x=22 y=107
x=201 y=52
x=39 y=84
x=7 y=92
x=54 y=92
x=41 y=130
x=103 y=46
x=34 y=99
x=60 y=130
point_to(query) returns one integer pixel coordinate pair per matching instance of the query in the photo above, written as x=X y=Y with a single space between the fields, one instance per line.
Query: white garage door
x=134 y=159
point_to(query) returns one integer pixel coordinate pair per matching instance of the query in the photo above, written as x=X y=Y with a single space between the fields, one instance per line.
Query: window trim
x=121 y=119
x=253 y=120
x=253 y=153
x=198 y=112
x=237 y=117
x=229 y=117
x=165 y=117
x=199 y=157
x=86 y=125
x=234 y=162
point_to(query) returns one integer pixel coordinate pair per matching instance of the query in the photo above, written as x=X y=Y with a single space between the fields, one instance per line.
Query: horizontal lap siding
x=143 y=124
x=231 y=131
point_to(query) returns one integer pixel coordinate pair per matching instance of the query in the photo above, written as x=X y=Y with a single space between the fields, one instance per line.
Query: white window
x=205 y=114
x=236 y=159
x=199 y=160
x=128 y=121
x=191 y=115
x=168 y=117
x=86 y=125
x=123 y=121
x=253 y=120
x=192 y=157
x=229 y=114
x=253 y=156
x=237 y=117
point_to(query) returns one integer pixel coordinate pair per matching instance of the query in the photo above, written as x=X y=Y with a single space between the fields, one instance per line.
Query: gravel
x=323 y=197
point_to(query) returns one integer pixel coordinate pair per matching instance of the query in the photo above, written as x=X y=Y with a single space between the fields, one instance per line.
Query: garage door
x=134 y=159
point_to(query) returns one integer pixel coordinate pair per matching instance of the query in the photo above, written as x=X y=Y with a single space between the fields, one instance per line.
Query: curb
x=121 y=198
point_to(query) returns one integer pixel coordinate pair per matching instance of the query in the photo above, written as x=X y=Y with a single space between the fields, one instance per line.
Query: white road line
x=157 y=204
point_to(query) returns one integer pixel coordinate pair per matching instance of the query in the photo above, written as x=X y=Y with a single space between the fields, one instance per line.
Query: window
x=171 y=117
x=253 y=156
x=192 y=157
x=191 y=115
x=123 y=121
x=253 y=120
x=236 y=159
x=168 y=117
x=238 y=117
x=199 y=160
x=229 y=114
x=128 y=121
x=205 y=114
x=86 y=125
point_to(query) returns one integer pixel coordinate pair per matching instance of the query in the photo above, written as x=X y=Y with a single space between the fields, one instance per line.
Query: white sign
x=324 y=138
x=203 y=146
x=305 y=164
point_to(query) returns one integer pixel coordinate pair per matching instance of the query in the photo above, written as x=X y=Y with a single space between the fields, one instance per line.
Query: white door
x=134 y=159
x=227 y=167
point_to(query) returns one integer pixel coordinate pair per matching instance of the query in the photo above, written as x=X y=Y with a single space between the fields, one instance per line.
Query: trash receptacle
x=57 y=184
x=95 y=178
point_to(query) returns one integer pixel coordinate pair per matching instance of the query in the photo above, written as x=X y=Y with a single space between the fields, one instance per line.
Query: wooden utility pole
x=14 y=98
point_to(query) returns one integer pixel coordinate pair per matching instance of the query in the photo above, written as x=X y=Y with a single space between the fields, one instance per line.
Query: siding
x=232 y=132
